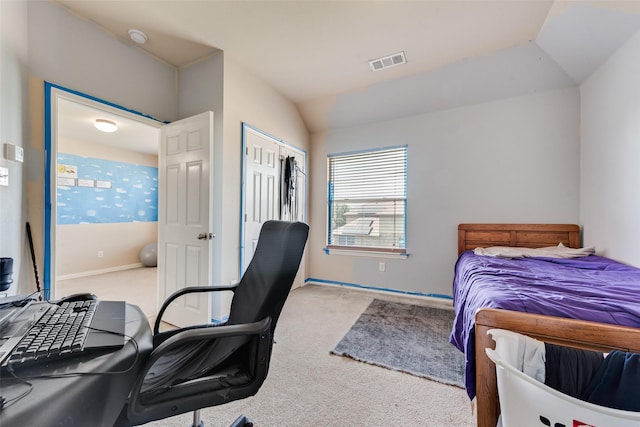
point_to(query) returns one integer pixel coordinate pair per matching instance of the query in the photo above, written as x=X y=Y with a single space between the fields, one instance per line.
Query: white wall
x=453 y=176
x=234 y=95
x=14 y=129
x=76 y=54
x=513 y=160
x=250 y=100
x=200 y=89
x=610 y=154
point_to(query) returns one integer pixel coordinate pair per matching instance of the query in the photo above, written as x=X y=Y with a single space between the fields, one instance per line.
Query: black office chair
x=207 y=365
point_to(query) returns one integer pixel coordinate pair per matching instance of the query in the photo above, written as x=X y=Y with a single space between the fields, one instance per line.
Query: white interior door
x=185 y=217
x=262 y=190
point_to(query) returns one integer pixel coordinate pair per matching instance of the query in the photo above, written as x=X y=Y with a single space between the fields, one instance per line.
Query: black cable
x=33 y=257
x=4 y=402
x=17 y=302
x=8 y=402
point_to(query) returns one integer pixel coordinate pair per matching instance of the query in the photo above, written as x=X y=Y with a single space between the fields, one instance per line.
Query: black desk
x=94 y=397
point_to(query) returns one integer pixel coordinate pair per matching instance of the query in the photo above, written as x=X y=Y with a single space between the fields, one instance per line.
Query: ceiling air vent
x=388 y=61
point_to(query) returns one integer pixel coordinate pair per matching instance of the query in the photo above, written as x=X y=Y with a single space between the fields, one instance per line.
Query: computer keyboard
x=60 y=332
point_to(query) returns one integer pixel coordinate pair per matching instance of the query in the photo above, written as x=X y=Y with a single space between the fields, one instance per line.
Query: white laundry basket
x=525 y=402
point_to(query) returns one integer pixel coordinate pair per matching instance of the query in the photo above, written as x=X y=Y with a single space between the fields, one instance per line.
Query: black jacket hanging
x=289 y=182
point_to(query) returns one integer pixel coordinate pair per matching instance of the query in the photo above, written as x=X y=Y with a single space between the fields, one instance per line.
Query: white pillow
x=560 y=251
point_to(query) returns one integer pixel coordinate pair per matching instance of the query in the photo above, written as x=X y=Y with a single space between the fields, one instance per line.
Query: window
x=368 y=200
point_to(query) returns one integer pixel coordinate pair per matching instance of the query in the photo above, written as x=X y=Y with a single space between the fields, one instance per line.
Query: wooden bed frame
x=567 y=332
x=556 y=330
x=471 y=236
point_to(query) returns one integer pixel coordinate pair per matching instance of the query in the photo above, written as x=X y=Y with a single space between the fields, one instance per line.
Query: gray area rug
x=408 y=338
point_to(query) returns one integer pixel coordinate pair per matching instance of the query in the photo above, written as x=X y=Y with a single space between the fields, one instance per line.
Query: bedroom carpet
x=407 y=338
x=308 y=387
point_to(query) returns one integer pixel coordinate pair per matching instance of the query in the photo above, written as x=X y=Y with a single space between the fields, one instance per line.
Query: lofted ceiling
x=316 y=52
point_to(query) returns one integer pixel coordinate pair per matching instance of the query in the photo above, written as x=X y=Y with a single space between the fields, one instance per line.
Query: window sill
x=370 y=254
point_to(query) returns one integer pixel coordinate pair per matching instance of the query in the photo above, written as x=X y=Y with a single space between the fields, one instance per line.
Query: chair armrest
x=188 y=290
x=210 y=333
x=261 y=328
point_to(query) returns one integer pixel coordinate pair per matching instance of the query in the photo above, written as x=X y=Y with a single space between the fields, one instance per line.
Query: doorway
x=183 y=185
x=80 y=239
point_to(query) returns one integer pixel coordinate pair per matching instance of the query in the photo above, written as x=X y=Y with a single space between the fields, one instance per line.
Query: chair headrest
x=264 y=287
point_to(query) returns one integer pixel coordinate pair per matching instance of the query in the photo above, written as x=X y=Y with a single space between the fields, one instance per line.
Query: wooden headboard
x=471 y=236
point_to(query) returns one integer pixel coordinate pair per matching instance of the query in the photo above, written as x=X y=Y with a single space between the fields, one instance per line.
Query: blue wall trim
x=48 y=87
x=373 y=288
x=219 y=321
x=380 y=254
x=243 y=170
x=273 y=137
x=46 y=282
x=367 y=150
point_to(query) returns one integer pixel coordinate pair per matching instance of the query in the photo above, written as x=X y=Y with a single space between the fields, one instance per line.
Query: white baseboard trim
x=101 y=271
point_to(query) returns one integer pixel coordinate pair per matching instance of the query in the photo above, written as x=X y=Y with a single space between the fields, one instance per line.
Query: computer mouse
x=84 y=296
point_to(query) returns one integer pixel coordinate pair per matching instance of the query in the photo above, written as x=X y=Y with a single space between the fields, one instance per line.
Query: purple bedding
x=586 y=288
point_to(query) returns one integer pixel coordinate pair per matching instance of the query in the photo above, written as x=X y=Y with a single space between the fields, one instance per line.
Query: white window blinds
x=367 y=200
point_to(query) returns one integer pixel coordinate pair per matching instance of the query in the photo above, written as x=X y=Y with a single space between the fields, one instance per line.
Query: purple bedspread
x=587 y=288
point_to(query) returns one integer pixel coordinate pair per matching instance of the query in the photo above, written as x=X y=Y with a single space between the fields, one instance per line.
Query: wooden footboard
x=561 y=331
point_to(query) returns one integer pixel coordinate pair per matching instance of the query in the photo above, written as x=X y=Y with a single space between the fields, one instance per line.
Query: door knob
x=206 y=236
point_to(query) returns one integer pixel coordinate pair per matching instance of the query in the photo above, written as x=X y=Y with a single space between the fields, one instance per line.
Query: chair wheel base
x=242 y=421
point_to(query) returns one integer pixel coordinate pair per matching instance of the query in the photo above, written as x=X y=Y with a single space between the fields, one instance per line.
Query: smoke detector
x=388 y=61
x=138 y=36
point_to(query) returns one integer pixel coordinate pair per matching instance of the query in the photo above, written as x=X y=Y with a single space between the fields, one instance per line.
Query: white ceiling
x=76 y=122
x=316 y=52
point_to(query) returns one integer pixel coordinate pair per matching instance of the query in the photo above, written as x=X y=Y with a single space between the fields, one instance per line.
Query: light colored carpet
x=307 y=386
x=408 y=338
x=137 y=286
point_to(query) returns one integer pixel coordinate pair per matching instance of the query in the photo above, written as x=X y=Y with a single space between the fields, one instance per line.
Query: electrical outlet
x=382 y=267
x=100 y=254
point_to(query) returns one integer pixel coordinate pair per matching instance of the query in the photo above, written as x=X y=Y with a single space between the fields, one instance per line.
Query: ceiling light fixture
x=106 y=125
x=138 y=36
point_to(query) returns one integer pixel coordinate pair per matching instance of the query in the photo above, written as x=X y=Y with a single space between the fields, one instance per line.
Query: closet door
x=262 y=192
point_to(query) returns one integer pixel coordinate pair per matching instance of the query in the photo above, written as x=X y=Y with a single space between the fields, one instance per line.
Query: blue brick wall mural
x=97 y=191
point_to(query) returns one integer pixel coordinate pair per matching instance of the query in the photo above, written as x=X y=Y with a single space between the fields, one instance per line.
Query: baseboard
x=434 y=297
x=101 y=271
